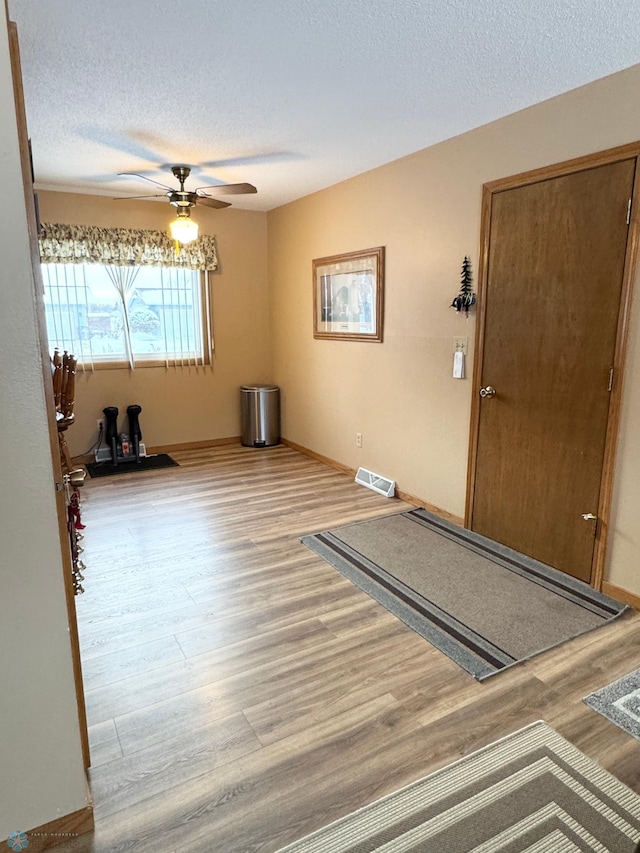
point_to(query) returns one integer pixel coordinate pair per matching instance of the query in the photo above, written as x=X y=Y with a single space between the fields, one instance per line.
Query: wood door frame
x=61 y=509
x=579 y=164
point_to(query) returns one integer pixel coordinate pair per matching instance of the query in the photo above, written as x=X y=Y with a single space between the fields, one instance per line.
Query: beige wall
x=41 y=771
x=425 y=209
x=414 y=417
x=183 y=404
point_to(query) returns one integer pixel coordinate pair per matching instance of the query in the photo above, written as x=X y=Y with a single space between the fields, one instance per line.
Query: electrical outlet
x=358 y=439
x=100 y=424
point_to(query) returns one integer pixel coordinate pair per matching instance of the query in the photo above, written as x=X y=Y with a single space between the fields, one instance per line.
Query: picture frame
x=348 y=296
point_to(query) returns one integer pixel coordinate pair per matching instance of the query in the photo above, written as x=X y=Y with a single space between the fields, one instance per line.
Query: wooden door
x=556 y=262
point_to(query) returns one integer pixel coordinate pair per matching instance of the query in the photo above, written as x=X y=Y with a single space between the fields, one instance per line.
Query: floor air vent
x=376 y=482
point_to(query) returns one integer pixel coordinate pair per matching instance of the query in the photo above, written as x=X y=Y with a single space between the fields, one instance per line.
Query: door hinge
x=610 y=386
x=629 y=211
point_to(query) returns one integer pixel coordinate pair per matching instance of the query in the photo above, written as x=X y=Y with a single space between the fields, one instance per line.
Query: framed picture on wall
x=348 y=296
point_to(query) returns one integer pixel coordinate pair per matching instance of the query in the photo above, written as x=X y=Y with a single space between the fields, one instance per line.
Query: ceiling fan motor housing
x=182 y=198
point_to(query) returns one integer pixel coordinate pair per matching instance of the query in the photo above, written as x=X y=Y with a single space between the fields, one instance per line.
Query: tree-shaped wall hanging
x=466 y=298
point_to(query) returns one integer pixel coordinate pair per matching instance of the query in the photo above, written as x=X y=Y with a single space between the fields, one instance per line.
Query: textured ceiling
x=290 y=95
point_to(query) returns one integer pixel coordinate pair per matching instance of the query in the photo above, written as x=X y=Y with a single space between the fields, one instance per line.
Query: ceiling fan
x=183 y=228
x=188 y=198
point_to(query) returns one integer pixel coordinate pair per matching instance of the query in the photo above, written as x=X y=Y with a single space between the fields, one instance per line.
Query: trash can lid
x=259 y=387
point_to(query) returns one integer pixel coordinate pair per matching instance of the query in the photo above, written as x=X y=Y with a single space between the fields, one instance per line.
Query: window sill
x=124 y=365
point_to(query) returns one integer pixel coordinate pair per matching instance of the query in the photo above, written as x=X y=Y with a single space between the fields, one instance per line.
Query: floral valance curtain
x=89 y=244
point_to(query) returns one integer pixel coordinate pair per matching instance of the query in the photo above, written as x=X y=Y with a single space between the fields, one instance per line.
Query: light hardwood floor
x=241 y=693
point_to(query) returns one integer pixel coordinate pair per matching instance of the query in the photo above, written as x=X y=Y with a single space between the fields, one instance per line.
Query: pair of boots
x=111 y=430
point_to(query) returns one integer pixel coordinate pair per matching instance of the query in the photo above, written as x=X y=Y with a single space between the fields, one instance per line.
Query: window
x=134 y=314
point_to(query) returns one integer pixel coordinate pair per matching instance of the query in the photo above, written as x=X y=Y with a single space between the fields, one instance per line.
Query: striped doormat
x=531 y=792
x=484 y=605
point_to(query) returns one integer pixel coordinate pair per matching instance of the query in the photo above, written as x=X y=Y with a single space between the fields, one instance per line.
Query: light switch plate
x=460 y=345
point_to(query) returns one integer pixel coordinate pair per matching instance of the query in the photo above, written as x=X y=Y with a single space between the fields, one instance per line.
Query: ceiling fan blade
x=134 y=197
x=229 y=189
x=207 y=201
x=144 y=178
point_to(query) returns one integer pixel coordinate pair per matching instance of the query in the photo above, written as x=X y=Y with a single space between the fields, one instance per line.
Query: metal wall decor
x=466 y=298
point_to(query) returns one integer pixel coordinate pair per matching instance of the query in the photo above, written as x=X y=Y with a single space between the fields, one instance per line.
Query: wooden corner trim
x=436 y=510
x=319 y=457
x=403 y=496
x=62 y=830
x=194 y=445
x=620 y=594
x=171 y=448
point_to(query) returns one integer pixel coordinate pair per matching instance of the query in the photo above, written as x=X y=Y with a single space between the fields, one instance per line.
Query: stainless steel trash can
x=260 y=413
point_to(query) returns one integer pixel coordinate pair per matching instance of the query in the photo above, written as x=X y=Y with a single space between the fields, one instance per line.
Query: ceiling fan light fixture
x=183 y=229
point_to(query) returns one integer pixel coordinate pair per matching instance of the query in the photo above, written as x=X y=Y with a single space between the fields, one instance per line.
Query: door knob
x=589 y=516
x=489 y=391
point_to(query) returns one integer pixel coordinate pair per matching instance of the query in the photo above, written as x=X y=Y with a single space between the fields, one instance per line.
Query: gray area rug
x=620 y=703
x=481 y=603
x=532 y=791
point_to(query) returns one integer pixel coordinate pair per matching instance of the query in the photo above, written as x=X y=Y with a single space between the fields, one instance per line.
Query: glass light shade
x=184 y=229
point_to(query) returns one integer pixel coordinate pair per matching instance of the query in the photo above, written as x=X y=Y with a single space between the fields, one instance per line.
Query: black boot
x=111 y=432
x=134 y=429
